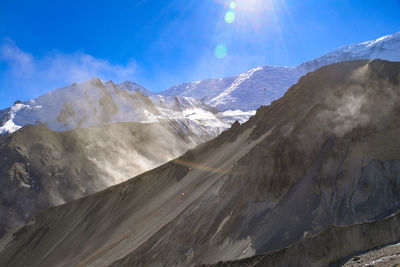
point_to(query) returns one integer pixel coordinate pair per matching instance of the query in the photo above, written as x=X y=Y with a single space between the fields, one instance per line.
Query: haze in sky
x=45 y=44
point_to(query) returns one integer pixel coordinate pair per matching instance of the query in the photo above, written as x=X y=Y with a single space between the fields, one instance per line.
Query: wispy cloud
x=56 y=69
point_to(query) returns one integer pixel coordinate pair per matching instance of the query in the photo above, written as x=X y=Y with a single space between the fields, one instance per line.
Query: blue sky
x=48 y=44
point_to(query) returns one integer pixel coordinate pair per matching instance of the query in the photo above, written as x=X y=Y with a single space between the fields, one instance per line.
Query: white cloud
x=57 y=69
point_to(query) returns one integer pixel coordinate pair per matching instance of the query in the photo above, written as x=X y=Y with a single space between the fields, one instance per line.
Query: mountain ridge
x=96 y=102
x=235 y=95
x=264 y=83
x=331 y=158
x=41 y=168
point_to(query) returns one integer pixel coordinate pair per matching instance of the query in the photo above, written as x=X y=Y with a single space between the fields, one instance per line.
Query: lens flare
x=220 y=51
x=232 y=5
x=230 y=16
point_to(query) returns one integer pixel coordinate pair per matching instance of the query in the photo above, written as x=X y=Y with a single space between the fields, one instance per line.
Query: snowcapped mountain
x=262 y=85
x=134 y=87
x=246 y=91
x=254 y=88
x=195 y=104
x=96 y=102
x=386 y=47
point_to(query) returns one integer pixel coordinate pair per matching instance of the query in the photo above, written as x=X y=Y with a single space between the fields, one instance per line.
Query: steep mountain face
x=256 y=87
x=262 y=85
x=97 y=103
x=41 y=168
x=326 y=153
x=247 y=91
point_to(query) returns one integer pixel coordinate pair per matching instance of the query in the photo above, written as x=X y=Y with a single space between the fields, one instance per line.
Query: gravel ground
x=386 y=256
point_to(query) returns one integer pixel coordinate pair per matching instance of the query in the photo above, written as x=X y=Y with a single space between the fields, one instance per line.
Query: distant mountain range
x=96 y=103
x=208 y=106
x=262 y=85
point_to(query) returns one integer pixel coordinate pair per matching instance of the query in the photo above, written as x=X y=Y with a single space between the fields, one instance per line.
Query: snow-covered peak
x=254 y=88
x=381 y=39
x=7 y=120
x=386 y=47
x=262 y=85
x=80 y=105
x=132 y=86
x=97 y=102
x=246 y=91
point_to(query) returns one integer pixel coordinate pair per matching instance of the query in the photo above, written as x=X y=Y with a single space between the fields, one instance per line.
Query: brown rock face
x=326 y=153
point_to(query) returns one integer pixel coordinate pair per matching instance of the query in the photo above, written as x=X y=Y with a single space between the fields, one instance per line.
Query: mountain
x=245 y=92
x=41 y=168
x=386 y=47
x=326 y=153
x=82 y=138
x=97 y=103
x=262 y=85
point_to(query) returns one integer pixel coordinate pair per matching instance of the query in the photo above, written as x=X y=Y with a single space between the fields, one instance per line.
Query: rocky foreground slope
x=333 y=246
x=327 y=153
x=41 y=168
x=130 y=131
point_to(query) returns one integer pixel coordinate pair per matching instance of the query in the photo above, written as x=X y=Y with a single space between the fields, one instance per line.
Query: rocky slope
x=131 y=131
x=380 y=257
x=329 y=247
x=327 y=153
x=264 y=84
x=41 y=168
